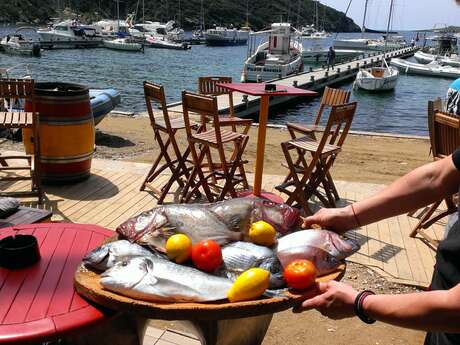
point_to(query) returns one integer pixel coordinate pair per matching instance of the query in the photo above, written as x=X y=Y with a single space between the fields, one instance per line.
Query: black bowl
x=19 y=251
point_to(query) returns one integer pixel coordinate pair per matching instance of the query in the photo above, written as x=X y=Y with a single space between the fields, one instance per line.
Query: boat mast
x=247 y=13
x=388 y=30
x=317 y=17
x=143 y=11
x=363 y=29
x=118 y=15
x=202 y=15
x=298 y=13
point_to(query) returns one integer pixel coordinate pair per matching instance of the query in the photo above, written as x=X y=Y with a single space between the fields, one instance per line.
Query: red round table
x=39 y=303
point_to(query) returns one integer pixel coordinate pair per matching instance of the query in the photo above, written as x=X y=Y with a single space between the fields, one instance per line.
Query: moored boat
x=433 y=69
x=424 y=58
x=124 y=44
x=277 y=57
x=156 y=42
x=377 y=78
x=221 y=36
x=69 y=34
x=17 y=44
x=318 y=54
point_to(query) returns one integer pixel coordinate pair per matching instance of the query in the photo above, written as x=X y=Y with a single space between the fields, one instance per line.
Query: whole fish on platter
x=224 y=222
x=158 y=280
x=241 y=256
x=324 y=248
x=107 y=255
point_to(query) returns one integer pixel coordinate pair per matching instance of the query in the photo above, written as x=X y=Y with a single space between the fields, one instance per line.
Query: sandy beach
x=365 y=158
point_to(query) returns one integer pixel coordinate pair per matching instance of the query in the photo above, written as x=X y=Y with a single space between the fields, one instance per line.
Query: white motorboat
x=167 y=31
x=222 y=36
x=277 y=57
x=17 y=44
x=69 y=34
x=124 y=44
x=452 y=60
x=318 y=54
x=163 y=43
x=433 y=69
x=358 y=44
x=109 y=28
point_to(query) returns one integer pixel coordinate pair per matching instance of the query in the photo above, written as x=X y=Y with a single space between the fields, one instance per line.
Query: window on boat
x=61 y=28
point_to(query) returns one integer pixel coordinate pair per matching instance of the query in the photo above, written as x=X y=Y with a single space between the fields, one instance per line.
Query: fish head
x=344 y=247
x=98 y=258
x=127 y=274
x=281 y=216
x=146 y=224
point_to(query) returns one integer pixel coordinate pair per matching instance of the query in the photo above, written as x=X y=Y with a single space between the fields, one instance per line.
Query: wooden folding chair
x=444 y=129
x=208 y=86
x=165 y=130
x=14 y=90
x=314 y=158
x=205 y=142
x=330 y=97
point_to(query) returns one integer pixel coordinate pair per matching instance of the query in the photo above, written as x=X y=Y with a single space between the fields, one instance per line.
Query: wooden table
x=258 y=89
x=39 y=303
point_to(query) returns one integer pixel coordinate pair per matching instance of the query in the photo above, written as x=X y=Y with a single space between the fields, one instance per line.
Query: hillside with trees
x=186 y=12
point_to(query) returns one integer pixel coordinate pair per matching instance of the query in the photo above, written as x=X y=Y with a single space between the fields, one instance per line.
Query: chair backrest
x=17 y=89
x=330 y=98
x=205 y=106
x=338 y=124
x=155 y=93
x=444 y=131
x=208 y=86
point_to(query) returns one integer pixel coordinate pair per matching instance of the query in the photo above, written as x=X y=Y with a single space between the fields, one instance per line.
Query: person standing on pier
x=330 y=58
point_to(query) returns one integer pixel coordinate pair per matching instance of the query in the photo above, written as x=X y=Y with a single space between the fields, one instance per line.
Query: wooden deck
x=111 y=195
x=314 y=79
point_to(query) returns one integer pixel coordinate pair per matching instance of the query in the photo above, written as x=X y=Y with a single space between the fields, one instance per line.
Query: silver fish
x=159 y=280
x=241 y=256
x=224 y=222
x=108 y=254
x=324 y=248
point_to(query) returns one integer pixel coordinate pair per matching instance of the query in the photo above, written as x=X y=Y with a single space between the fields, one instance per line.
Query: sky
x=408 y=14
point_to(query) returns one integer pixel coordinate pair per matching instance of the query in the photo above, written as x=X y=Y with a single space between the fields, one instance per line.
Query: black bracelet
x=359 y=306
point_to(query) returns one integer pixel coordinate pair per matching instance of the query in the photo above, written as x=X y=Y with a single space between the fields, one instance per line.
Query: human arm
x=429 y=311
x=420 y=187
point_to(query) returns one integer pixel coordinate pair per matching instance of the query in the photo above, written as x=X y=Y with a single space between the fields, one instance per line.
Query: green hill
x=187 y=12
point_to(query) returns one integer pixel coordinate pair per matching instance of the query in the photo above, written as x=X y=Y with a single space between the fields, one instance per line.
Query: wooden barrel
x=66 y=132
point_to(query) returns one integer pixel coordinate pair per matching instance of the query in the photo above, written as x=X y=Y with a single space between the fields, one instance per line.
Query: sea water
x=402 y=111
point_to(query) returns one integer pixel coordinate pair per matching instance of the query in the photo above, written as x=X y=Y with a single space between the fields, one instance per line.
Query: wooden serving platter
x=87 y=284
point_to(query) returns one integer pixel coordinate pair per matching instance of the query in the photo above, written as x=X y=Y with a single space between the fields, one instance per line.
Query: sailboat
x=312 y=31
x=122 y=43
x=381 y=78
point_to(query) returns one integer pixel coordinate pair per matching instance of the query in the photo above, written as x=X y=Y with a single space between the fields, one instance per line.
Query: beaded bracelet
x=359 y=306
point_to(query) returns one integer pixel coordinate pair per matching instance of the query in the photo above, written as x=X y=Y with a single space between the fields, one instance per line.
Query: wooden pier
x=313 y=79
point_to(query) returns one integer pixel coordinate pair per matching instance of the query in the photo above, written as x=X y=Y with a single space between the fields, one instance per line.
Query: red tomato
x=300 y=274
x=207 y=256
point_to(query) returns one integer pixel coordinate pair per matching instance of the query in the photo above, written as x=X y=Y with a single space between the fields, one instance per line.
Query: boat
x=433 y=69
x=167 y=31
x=277 y=57
x=156 y=42
x=109 y=28
x=318 y=54
x=17 y=44
x=69 y=34
x=103 y=101
x=125 y=44
x=312 y=31
x=222 y=36
x=381 y=78
x=424 y=58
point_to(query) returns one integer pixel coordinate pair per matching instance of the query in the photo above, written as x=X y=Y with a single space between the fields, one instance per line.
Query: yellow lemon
x=250 y=284
x=179 y=248
x=262 y=233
